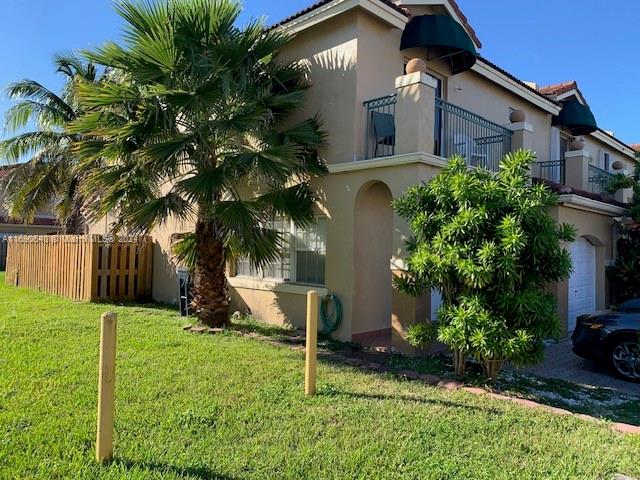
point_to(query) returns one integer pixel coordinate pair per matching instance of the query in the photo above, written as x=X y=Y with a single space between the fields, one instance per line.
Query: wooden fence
x=81 y=267
x=3 y=252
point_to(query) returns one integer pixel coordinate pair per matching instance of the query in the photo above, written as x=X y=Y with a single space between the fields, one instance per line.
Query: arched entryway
x=373 y=246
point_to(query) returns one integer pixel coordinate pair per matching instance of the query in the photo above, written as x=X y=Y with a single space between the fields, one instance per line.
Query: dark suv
x=611 y=336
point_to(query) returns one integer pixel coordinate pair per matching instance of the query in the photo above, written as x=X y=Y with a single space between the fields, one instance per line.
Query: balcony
x=552 y=171
x=460 y=132
x=599 y=180
x=414 y=120
x=456 y=132
x=381 y=127
x=576 y=171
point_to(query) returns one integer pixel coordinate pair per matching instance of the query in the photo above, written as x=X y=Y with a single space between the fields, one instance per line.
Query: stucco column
x=415 y=113
x=577 y=169
x=522 y=136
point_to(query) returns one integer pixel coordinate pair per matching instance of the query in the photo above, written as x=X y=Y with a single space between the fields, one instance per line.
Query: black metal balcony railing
x=461 y=132
x=599 y=180
x=553 y=170
x=381 y=128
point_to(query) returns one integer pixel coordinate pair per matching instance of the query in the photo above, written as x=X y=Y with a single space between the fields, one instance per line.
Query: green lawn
x=191 y=406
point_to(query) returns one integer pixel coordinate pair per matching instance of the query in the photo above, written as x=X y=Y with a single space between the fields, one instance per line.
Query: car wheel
x=625 y=358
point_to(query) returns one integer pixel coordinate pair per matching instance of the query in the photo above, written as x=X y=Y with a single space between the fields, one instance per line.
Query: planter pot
x=576 y=144
x=416 y=65
x=517 y=116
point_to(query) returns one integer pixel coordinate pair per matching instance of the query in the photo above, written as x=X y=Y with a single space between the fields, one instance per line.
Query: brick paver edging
x=297 y=343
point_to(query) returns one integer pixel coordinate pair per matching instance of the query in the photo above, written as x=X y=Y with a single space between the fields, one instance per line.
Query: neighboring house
x=44 y=223
x=388 y=130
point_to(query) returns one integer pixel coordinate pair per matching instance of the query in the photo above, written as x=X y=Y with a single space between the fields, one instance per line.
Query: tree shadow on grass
x=199 y=472
x=148 y=304
x=409 y=398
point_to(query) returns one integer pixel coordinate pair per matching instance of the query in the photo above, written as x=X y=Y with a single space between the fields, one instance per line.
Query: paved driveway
x=560 y=362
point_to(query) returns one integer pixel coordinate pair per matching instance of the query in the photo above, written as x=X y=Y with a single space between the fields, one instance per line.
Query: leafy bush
x=488 y=242
x=624 y=275
x=423 y=333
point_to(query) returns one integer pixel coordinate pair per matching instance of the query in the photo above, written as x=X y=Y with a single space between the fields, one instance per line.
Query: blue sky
x=546 y=41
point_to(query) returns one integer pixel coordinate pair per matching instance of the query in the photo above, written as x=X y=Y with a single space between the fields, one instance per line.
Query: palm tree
x=194 y=123
x=46 y=177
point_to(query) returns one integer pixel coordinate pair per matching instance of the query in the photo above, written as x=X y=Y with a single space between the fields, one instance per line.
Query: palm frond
x=46 y=143
x=261 y=248
x=32 y=90
x=205 y=186
x=31 y=186
x=46 y=117
x=142 y=218
x=183 y=247
x=295 y=202
x=72 y=66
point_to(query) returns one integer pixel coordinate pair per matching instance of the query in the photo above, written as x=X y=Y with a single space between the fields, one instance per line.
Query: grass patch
x=229 y=407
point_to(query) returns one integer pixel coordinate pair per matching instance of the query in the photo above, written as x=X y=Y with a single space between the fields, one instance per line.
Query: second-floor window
x=565 y=140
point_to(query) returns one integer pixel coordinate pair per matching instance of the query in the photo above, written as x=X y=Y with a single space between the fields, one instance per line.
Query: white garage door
x=582 y=282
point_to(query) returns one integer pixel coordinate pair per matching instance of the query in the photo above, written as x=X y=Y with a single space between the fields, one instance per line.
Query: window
x=564 y=145
x=310 y=252
x=302 y=259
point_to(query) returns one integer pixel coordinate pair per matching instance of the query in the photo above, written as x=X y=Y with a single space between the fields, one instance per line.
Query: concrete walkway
x=560 y=362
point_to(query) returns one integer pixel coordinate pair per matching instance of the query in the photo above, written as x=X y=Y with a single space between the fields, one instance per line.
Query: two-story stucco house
x=391 y=125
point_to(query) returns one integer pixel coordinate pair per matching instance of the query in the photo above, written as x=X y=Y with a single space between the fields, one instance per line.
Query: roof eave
x=324 y=11
x=614 y=142
x=488 y=70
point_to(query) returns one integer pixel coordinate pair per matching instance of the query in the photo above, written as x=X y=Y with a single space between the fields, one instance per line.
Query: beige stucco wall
x=473 y=92
x=276 y=304
x=356 y=270
x=329 y=49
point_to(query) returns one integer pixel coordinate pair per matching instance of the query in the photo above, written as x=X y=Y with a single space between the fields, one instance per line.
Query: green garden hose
x=331 y=316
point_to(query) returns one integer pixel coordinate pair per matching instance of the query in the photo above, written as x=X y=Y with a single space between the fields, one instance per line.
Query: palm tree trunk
x=210 y=300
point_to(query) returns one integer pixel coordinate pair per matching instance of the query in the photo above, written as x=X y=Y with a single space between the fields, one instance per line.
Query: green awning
x=443 y=38
x=576 y=117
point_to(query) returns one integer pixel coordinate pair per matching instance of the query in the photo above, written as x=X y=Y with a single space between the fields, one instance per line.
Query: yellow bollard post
x=312 y=343
x=106 y=386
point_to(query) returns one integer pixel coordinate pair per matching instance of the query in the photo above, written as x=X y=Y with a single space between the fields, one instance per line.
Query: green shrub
x=488 y=242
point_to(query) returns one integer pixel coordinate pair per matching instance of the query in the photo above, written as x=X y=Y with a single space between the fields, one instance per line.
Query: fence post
x=312 y=343
x=106 y=387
